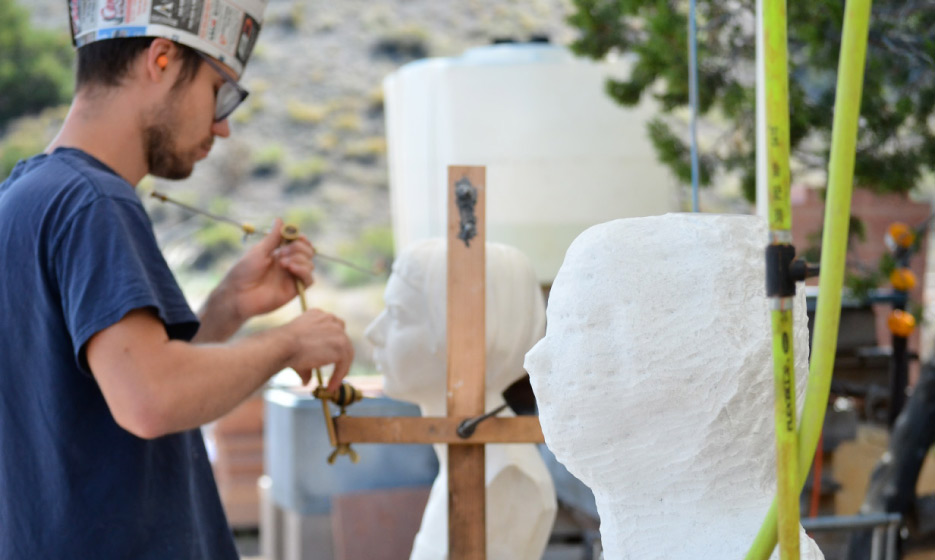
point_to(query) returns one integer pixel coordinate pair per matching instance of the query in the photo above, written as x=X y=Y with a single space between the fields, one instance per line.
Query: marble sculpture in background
x=409 y=339
x=655 y=386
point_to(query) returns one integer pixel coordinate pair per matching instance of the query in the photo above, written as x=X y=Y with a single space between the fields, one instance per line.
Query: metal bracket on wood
x=466 y=199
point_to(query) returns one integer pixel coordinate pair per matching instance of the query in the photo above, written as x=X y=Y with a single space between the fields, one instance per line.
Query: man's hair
x=106 y=63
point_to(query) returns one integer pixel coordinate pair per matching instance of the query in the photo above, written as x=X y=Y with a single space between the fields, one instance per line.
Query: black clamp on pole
x=783 y=270
x=466 y=428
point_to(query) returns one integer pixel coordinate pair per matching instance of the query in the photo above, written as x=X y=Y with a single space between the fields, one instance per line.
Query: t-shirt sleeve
x=107 y=263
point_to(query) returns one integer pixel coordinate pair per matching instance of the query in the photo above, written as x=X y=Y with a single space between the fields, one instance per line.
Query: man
x=105 y=372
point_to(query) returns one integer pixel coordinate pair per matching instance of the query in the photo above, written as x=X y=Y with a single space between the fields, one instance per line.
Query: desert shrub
x=267 y=161
x=402 y=44
x=347 y=122
x=373 y=250
x=216 y=240
x=303 y=176
x=306 y=113
x=367 y=150
x=307 y=219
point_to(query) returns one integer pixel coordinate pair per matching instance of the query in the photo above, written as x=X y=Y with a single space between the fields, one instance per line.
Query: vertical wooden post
x=466 y=357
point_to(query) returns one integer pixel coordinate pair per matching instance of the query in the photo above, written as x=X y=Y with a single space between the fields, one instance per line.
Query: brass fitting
x=346 y=395
x=899 y=235
x=901 y=323
x=903 y=279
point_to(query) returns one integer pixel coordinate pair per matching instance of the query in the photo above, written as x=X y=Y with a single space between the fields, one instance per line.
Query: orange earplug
x=162 y=61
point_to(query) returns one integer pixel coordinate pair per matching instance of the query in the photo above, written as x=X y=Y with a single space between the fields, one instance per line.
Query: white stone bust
x=655 y=385
x=409 y=339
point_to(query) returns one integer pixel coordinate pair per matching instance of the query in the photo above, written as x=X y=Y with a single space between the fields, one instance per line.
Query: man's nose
x=221 y=128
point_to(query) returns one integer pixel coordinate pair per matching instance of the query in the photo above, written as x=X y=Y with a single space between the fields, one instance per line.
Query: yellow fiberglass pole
x=834 y=247
x=780 y=288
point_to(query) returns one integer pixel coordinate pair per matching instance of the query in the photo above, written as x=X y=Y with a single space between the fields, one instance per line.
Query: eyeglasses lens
x=228 y=99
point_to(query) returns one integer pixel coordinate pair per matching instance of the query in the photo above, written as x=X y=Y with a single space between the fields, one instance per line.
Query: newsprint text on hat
x=224 y=29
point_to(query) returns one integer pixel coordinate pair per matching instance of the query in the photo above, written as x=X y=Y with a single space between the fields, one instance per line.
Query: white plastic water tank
x=561 y=156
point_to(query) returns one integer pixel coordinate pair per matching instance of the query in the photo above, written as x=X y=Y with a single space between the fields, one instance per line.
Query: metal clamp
x=466 y=429
x=466 y=200
x=783 y=270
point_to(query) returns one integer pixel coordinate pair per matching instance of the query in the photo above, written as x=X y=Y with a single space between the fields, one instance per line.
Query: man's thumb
x=272 y=239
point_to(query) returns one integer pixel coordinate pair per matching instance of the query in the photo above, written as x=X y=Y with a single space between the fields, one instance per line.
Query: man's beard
x=161 y=153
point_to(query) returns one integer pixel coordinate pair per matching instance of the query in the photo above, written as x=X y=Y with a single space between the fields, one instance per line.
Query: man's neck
x=106 y=126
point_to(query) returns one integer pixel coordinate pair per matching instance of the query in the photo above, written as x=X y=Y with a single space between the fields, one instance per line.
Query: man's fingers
x=326 y=342
x=343 y=349
x=304 y=261
x=297 y=263
x=312 y=247
x=341 y=368
x=299 y=247
x=306 y=276
x=296 y=257
x=301 y=270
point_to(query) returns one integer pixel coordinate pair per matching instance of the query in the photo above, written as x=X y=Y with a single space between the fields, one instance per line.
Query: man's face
x=181 y=131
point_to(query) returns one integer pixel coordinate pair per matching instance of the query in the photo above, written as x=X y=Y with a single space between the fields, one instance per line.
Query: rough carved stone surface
x=655 y=385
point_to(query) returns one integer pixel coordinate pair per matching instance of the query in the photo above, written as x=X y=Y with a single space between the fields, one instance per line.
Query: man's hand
x=320 y=340
x=264 y=279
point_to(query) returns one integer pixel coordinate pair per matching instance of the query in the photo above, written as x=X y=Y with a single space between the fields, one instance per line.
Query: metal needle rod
x=329 y=420
x=248 y=229
x=245 y=227
x=346 y=263
x=290 y=234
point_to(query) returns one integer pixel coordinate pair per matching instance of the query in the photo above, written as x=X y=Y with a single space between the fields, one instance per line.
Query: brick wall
x=877 y=212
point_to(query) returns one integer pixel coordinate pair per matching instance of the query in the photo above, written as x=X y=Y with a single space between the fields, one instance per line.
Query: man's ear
x=160 y=59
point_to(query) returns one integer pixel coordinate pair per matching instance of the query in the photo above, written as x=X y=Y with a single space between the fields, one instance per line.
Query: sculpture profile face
x=409 y=336
x=406 y=348
x=654 y=381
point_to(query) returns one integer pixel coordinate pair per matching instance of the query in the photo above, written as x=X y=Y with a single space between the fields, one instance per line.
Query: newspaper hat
x=224 y=29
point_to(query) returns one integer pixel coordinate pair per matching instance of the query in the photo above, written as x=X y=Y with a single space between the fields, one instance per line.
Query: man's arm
x=155 y=386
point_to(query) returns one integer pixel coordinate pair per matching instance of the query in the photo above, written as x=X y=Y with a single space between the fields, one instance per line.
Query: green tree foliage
x=896 y=144
x=35 y=65
x=27 y=137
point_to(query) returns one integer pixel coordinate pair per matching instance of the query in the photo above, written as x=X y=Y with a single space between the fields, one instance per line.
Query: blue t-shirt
x=78 y=252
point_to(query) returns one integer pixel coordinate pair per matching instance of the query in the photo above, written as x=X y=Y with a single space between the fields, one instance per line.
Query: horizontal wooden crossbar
x=407 y=429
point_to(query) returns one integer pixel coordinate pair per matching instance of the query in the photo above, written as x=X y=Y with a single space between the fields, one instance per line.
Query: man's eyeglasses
x=229 y=96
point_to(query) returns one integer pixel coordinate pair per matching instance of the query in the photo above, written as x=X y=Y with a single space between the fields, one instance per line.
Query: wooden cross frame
x=466 y=375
